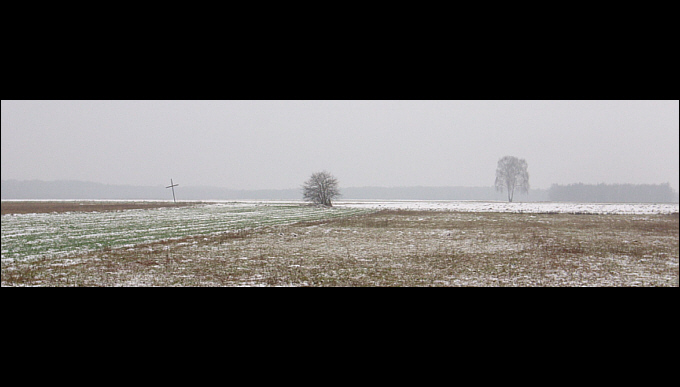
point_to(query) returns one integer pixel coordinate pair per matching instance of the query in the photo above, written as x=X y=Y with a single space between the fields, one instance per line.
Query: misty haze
x=340 y=193
x=276 y=145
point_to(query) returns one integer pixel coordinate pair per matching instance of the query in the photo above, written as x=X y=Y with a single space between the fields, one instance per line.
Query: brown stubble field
x=39 y=207
x=390 y=248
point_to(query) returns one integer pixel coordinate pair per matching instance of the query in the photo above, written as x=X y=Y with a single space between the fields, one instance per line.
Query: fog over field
x=276 y=145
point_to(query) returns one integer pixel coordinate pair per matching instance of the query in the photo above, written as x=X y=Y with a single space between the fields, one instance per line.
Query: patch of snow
x=520 y=207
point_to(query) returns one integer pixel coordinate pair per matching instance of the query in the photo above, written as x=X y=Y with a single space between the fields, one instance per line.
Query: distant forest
x=613 y=193
x=36 y=189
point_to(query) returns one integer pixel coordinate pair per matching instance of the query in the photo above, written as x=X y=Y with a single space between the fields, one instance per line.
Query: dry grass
x=390 y=248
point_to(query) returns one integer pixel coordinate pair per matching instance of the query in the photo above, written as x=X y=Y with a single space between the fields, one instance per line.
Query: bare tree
x=321 y=188
x=512 y=174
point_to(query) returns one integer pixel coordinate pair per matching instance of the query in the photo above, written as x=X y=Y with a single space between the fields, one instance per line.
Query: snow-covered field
x=528 y=207
x=443 y=243
x=26 y=236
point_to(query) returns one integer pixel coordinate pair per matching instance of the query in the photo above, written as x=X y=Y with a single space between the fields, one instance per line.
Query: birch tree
x=511 y=175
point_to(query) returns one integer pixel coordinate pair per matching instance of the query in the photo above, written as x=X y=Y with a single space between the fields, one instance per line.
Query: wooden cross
x=172 y=185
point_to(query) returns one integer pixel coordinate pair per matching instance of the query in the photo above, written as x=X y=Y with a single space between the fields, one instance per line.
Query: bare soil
x=29 y=207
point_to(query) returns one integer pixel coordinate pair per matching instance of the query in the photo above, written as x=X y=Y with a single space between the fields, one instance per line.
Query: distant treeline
x=62 y=189
x=36 y=189
x=438 y=193
x=613 y=193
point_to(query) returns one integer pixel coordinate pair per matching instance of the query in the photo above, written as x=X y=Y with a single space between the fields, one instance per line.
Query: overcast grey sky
x=278 y=144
